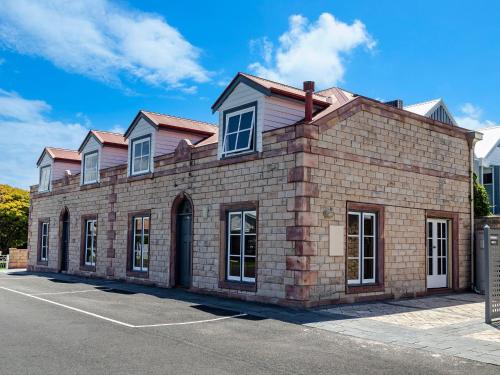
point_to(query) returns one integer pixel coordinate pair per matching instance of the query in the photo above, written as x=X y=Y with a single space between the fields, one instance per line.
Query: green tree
x=482 y=206
x=14 y=211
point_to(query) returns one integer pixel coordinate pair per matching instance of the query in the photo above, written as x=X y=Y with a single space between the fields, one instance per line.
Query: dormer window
x=44 y=184
x=239 y=130
x=90 y=167
x=141 y=155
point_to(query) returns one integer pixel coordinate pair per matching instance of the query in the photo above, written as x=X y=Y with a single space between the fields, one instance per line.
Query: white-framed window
x=44 y=241
x=44 y=184
x=361 y=247
x=90 y=241
x=238 y=131
x=90 y=167
x=241 y=246
x=141 y=156
x=140 y=243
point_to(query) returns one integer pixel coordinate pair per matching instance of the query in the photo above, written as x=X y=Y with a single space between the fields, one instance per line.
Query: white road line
x=192 y=322
x=70 y=308
x=114 y=320
x=70 y=292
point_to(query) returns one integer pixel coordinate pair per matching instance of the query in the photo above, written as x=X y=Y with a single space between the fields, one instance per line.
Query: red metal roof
x=61 y=154
x=180 y=123
x=109 y=138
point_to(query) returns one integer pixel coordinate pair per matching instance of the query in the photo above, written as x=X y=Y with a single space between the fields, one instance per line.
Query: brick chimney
x=309 y=89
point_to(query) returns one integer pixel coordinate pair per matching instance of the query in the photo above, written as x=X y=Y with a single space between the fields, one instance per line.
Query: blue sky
x=66 y=67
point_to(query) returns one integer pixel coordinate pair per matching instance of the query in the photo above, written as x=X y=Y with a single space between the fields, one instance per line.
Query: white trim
x=84 y=167
x=436 y=279
x=135 y=143
x=237 y=132
x=242 y=214
x=361 y=247
x=41 y=189
x=46 y=246
x=142 y=251
x=93 y=223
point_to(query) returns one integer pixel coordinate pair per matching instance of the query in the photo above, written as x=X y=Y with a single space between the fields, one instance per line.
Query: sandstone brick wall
x=210 y=183
x=364 y=154
x=18 y=258
x=406 y=166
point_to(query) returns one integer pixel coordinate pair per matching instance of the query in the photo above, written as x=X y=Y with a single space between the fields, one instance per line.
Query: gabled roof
x=427 y=108
x=267 y=87
x=71 y=156
x=159 y=120
x=105 y=139
x=491 y=139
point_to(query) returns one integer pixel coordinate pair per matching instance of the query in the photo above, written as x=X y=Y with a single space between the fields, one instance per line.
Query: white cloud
x=471 y=117
x=25 y=129
x=118 y=129
x=311 y=50
x=101 y=40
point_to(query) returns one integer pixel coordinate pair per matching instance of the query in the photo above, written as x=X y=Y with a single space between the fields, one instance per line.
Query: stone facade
x=302 y=183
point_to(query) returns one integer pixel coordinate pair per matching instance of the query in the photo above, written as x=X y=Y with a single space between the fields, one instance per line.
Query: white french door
x=437 y=253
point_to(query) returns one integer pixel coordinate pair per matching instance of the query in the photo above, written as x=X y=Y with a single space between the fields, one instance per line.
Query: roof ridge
x=270 y=80
x=60 y=148
x=106 y=131
x=179 y=117
x=421 y=103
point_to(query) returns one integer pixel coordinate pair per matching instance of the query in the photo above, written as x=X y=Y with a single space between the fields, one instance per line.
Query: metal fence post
x=7 y=264
x=487 y=302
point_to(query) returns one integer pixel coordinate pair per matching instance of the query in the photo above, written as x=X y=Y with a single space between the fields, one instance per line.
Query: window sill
x=141 y=176
x=90 y=185
x=236 y=285
x=87 y=268
x=42 y=262
x=140 y=274
x=247 y=156
x=367 y=288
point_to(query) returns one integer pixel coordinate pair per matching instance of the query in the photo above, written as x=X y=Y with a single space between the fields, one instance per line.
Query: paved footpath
x=444 y=325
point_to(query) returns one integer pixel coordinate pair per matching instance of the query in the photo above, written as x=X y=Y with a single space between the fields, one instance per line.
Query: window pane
x=250 y=244
x=232 y=124
x=368 y=250
x=249 y=267
x=246 y=120
x=368 y=269
x=137 y=165
x=144 y=163
x=234 y=266
x=353 y=247
x=250 y=222
x=146 y=225
x=369 y=225
x=352 y=269
x=243 y=139
x=353 y=224
x=230 y=142
x=234 y=246
x=138 y=225
x=235 y=225
x=145 y=148
x=137 y=149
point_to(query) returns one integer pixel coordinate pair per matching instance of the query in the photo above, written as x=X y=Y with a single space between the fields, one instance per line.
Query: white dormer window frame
x=90 y=168
x=238 y=123
x=140 y=160
x=45 y=176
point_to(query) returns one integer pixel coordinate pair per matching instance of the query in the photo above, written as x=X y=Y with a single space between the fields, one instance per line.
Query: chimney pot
x=309 y=89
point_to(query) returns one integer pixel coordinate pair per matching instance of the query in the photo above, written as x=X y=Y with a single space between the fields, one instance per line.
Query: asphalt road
x=55 y=324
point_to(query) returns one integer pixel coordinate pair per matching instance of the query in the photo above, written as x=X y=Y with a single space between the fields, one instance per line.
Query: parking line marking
x=114 y=320
x=70 y=292
x=191 y=322
x=69 y=307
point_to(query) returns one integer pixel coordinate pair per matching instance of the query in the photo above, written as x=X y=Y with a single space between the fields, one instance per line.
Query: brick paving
x=444 y=325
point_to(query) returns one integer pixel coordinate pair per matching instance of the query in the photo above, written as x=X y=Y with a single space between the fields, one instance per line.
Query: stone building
x=296 y=197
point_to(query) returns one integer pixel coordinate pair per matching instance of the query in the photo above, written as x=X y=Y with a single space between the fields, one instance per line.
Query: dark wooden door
x=184 y=245
x=65 y=242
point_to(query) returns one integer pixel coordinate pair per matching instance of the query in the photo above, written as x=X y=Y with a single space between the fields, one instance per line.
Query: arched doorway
x=182 y=242
x=64 y=240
